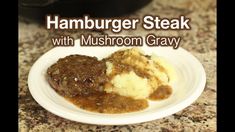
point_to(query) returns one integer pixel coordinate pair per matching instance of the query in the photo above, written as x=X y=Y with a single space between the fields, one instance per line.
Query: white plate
x=189 y=85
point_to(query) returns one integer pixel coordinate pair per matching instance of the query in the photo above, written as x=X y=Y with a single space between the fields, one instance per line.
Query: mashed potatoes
x=136 y=75
x=130 y=84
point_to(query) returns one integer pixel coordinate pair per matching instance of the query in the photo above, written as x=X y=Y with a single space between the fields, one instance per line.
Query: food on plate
x=134 y=74
x=77 y=75
x=122 y=82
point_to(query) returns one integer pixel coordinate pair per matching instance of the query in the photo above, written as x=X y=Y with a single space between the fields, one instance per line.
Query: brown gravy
x=161 y=93
x=113 y=103
x=108 y=103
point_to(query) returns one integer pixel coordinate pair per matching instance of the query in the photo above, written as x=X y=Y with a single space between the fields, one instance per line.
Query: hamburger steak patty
x=77 y=75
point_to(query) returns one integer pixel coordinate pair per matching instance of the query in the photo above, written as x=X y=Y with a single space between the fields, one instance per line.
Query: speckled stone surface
x=34 y=41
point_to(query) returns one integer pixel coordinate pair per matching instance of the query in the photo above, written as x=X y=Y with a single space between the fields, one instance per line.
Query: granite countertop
x=34 y=40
